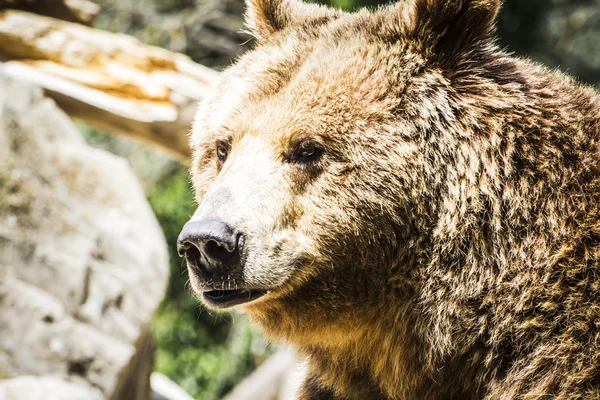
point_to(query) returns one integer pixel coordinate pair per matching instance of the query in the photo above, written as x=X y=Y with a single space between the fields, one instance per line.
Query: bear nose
x=209 y=243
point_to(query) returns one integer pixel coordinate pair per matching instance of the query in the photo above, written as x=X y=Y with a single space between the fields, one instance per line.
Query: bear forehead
x=344 y=74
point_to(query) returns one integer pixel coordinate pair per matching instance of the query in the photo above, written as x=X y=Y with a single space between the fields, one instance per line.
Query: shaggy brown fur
x=446 y=243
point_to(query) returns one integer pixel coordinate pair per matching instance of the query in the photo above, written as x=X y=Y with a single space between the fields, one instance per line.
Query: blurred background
x=208 y=354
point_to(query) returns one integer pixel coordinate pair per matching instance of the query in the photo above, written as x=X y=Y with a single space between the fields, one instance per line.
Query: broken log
x=108 y=80
x=80 y=11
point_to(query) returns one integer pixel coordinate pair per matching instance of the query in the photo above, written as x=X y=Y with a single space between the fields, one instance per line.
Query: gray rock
x=43 y=388
x=83 y=262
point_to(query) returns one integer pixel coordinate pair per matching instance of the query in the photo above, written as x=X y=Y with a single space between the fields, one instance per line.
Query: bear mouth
x=222 y=299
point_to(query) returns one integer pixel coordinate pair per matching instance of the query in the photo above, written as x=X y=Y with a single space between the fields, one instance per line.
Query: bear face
x=394 y=195
x=311 y=150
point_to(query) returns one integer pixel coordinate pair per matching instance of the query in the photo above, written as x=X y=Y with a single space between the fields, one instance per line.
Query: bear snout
x=211 y=244
x=212 y=250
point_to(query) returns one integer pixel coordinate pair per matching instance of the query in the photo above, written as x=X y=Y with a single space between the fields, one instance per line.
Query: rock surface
x=40 y=388
x=83 y=263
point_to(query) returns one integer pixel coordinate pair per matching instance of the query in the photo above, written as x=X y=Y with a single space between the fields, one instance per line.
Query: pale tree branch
x=80 y=11
x=109 y=80
x=275 y=379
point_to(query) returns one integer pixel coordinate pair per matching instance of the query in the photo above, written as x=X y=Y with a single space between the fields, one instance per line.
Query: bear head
x=320 y=159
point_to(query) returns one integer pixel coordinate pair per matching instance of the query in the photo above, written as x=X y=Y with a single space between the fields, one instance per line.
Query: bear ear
x=448 y=28
x=265 y=17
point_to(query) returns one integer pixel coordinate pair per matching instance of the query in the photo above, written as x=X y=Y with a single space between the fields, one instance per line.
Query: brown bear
x=415 y=210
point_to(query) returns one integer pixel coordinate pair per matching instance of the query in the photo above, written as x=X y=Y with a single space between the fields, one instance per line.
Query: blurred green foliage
x=206 y=353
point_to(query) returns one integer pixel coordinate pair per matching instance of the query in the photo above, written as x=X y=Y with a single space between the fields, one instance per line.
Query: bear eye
x=307 y=151
x=222 y=151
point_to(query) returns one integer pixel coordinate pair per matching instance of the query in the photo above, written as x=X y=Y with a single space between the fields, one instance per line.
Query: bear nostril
x=192 y=255
x=210 y=244
x=217 y=251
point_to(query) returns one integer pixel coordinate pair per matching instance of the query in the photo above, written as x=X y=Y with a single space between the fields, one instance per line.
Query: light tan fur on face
x=446 y=243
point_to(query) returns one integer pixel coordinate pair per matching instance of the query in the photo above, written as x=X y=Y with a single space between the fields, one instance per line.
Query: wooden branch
x=109 y=80
x=272 y=380
x=80 y=11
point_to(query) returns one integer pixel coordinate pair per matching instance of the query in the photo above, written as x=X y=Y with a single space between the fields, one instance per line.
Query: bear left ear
x=265 y=17
x=448 y=28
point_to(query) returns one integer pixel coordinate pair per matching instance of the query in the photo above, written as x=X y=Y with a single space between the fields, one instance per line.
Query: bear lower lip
x=230 y=298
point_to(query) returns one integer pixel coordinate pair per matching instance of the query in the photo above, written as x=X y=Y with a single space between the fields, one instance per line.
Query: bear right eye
x=307 y=152
x=222 y=151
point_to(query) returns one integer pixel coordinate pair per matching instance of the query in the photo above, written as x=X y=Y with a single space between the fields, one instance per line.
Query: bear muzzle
x=213 y=252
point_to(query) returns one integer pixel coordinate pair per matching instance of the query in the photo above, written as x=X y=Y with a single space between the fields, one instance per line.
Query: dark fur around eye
x=306 y=152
